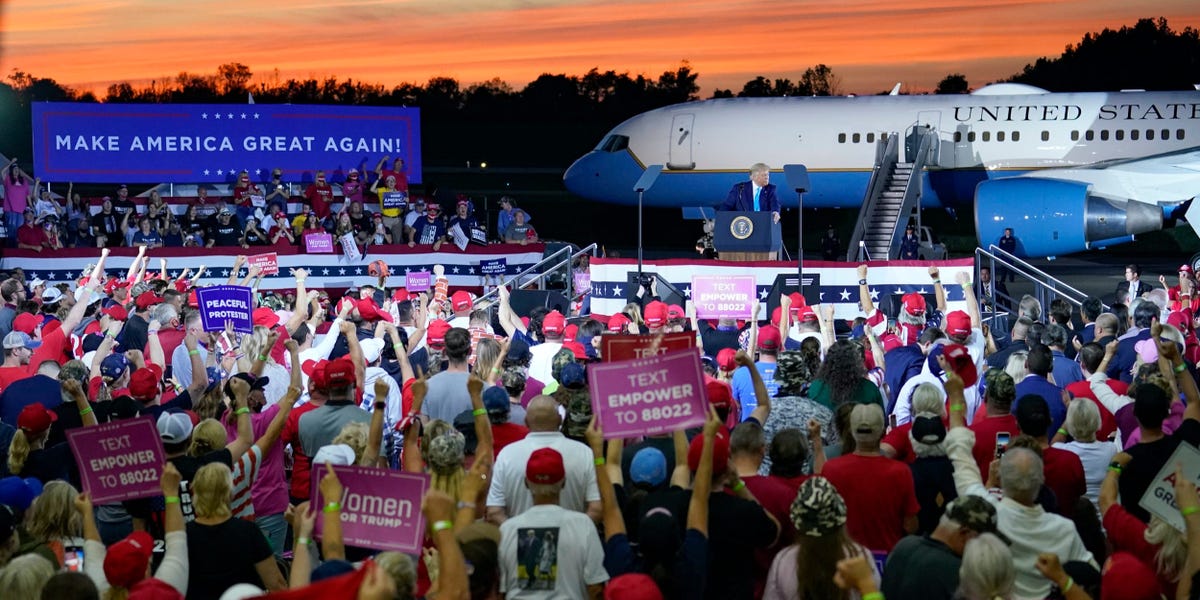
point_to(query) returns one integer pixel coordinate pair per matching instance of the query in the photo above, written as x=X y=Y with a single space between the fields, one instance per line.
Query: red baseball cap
x=806 y=313
x=655 y=314
x=913 y=303
x=798 y=300
x=576 y=348
x=26 y=323
x=719 y=394
x=148 y=299
x=554 y=322
x=727 y=359
x=399 y=295
x=369 y=312
x=113 y=284
x=35 y=419
x=632 y=586
x=570 y=332
x=720 y=454
x=117 y=312
x=1126 y=578
x=675 y=312
x=143 y=383
x=958 y=323
x=435 y=335
x=617 y=322
x=960 y=360
x=1185 y=268
x=769 y=339
x=460 y=301
x=339 y=373
x=126 y=561
x=265 y=317
x=545 y=467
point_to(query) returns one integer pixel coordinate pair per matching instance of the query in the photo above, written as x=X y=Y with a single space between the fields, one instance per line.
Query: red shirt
x=401 y=179
x=1064 y=477
x=775 y=496
x=879 y=495
x=32 y=235
x=170 y=339
x=1108 y=423
x=985 y=438
x=241 y=195
x=319 y=197
x=898 y=438
x=505 y=434
x=301 y=462
x=1127 y=534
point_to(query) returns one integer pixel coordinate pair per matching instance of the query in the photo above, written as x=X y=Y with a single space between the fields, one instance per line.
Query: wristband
x=332 y=507
x=739 y=486
x=441 y=526
x=1115 y=466
x=862 y=282
x=85 y=411
x=109 y=334
x=599 y=461
x=1191 y=510
x=1180 y=368
x=193 y=352
x=479 y=412
x=1063 y=431
x=171 y=500
x=877 y=596
x=151 y=332
x=937 y=282
x=958 y=408
x=398 y=348
x=262 y=358
x=303 y=541
x=242 y=411
x=464 y=504
x=1066 y=586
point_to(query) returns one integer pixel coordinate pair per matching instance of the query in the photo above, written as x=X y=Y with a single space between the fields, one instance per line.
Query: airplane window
x=615 y=143
x=1074 y=136
x=841 y=138
x=1166 y=134
x=957 y=136
x=1016 y=136
x=1089 y=135
x=856 y=138
x=987 y=136
x=1134 y=134
x=1104 y=134
x=1045 y=136
x=999 y=136
x=1149 y=134
x=1120 y=134
x=970 y=136
x=871 y=138
x=1179 y=134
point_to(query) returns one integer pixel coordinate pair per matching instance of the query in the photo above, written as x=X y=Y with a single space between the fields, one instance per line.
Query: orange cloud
x=871 y=44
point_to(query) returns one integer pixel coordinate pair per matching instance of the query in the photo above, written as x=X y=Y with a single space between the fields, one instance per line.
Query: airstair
x=893 y=197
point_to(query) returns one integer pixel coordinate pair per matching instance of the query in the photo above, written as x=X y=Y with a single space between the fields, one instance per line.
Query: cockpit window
x=615 y=143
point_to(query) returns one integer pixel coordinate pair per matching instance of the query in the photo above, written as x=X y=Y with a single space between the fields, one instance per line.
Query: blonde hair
x=1016 y=366
x=400 y=567
x=53 y=513
x=212 y=491
x=1083 y=420
x=355 y=436
x=25 y=576
x=209 y=435
x=487 y=356
x=255 y=344
x=19 y=449
x=448 y=482
x=928 y=398
x=1172 y=548
x=987 y=570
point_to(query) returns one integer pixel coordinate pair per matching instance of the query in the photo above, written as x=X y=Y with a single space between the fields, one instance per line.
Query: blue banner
x=221 y=304
x=496 y=266
x=211 y=143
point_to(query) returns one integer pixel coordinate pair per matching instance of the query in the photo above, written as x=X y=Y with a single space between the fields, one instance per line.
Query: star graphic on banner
x=341 y=271
x=920 y=291
x=173 y=274
x=470 y=270
x=69 y=276
x=256 y=171
x=455 y=270
x=230 y=115
x=687 y=291
x=231 y=170
x=845 y=294
x=358 y=271
x=203 y=115
x=407 y=270
x=220 y=172
x=617 y=291
x=225 y=273
x=821 y=296
x=33 y=275
x=218 y=115
x=762 y=295
x=243 y=115
x=874 y=294
x=206 y=171
x=324 y=271
x=255 y=115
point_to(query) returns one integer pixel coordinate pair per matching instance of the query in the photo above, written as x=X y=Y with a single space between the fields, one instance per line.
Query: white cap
x=242 y=591
x=371 y=349
x=334 y=454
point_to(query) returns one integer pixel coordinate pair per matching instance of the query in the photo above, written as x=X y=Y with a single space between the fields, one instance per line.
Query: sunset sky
x=870 y=44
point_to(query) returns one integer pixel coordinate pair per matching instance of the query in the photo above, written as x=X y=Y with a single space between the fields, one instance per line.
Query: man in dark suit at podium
x=758 y=194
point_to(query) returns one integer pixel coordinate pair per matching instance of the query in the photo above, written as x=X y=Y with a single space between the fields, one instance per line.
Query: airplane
x=1067 y=171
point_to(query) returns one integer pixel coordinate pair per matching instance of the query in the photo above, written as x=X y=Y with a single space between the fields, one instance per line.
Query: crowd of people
x=253 y=215
x=916 y=454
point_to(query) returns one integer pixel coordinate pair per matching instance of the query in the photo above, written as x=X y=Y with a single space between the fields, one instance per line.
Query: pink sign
x=118 y=461
x=418 y=281
x=615 y=348
x=649 y=396
x=717 y=296
x=268 y=263
x=381 y=508
x=318 y=243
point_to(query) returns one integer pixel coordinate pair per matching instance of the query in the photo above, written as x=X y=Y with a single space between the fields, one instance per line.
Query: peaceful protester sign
x=649 y=396
x=222 y=304
x=381 y=508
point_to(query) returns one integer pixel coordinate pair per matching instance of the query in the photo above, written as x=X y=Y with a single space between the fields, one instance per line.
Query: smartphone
x=1002 y=438
x=73 y=560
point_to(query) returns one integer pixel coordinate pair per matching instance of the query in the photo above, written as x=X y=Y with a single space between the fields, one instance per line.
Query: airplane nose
x=582 y=176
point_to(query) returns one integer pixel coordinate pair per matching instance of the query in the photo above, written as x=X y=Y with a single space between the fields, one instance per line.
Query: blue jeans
x=274 y=528
x=12 y=221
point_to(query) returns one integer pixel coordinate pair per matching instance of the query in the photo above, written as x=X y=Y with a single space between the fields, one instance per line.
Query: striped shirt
x=244 y=473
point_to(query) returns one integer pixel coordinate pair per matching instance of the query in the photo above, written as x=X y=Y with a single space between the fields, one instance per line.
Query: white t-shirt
x=394 y=408
x=508 y=475
x=541 y=366
x=550 y=552
x=1095 y=456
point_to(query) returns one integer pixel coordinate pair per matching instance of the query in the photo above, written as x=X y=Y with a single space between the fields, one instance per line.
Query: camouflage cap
x=792 y=373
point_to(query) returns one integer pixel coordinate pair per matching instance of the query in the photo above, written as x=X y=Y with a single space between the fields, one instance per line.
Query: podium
x=746 y=236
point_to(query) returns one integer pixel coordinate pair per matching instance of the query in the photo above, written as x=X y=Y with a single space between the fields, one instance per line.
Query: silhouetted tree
x=233 y=77
x=954 y=83
x=820 y=81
